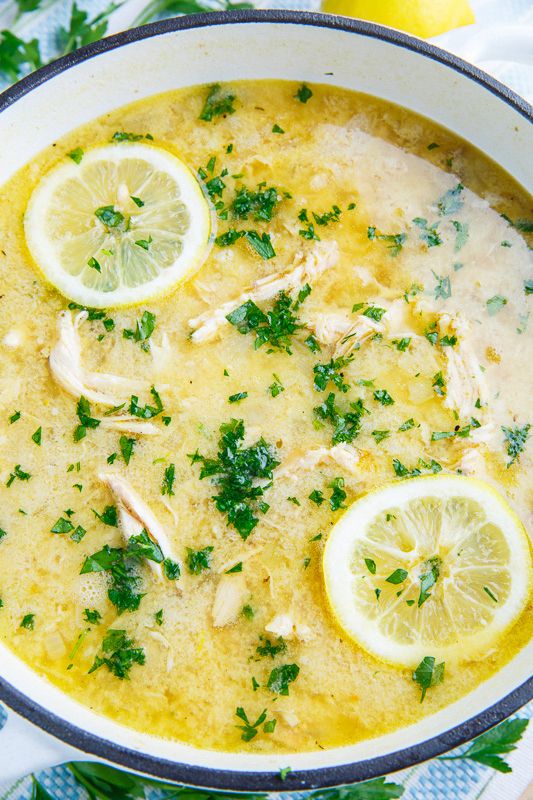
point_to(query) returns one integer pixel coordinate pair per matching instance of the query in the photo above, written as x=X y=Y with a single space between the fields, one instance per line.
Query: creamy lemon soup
x=171 y=472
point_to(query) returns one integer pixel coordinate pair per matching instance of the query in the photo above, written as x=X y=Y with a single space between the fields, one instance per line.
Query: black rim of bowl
x=223 y=779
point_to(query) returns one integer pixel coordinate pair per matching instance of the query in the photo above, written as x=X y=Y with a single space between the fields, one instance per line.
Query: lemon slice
x=128 y=222
x=422 y=18
x=437 y=565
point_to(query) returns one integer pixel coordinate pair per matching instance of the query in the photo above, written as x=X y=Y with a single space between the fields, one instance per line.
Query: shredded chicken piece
x=285 y=626
x=328 y=328
x=361 y=330
x=65 y=364
x=465 y=383
x=166 y=644
x=307 y=267
x=136 y=516
x=290 y=717
x=13 y=339
x=344 y=455
x=129 y=424
x=161 y=353
x=230 y=596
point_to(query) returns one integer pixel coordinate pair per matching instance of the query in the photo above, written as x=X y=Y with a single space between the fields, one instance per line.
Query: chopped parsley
x=407 y=425
x=495 y=304
x=236 y=398
x=143 y=330
x=126 y=445
x=110 y=218
x=402 y=344
x=14 y=417
x=251 y=729
x=119 y=654
x=428 y=674
x=374 y=312
x=382 y=396
x=158 y=617
x=19 y=474
x=443 y=288
x=428 y=233
x=276 y=387
x=236 y=472
x=439 y=384
x=109 y=516
x=404 y=472
x=169 y=477
x=429 y=578
x=199 y=561
x=92 y=617
x=490 y=594
x=338 y=495
x=324 y=373
x=28 y=622
x=317 y=497
x=451 y=201
x=234 y=569
x=125 y=136
x=304 y=93
x=147 y=411
x=37 y=436
x=274 y=328
x=269 y=648
x=276 y=129
x=380 y=435
x=515 y=439
x=346 y=424
x=280 y=678
x=76 y=155
x=218 y=103
x=261 y=204
x=261 y=243
x=395 y=241
x=461 y=234
x=398 y=576
x=94 y=264
x=83 y=410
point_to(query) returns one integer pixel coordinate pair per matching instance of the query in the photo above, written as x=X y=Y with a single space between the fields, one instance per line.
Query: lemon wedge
x=437 y=565
x=422 y=18
x=126 y=223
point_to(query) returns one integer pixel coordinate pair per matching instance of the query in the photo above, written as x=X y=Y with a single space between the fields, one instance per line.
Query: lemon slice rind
x=443 y=626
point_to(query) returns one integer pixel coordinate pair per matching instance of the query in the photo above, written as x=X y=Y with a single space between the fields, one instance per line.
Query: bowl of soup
x=266 y=287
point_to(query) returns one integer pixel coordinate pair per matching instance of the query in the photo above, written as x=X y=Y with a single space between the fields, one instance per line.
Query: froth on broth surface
x=381 y=167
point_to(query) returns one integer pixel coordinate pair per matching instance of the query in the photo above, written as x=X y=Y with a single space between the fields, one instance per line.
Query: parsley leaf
x=144 y=328
x=280 y=678
x=428 y=674
x=119 y=654
x=429 y=579
x=236 y=472
x=269 y=648
x=338 y=495
x=18 y=57
x=383 y=397
x=199 y=560
x=516 y=439
x=324 y=373
x=251 y=729
x=83 y=410
x=304 y=93
x=346 y=424
x=167 y=486
x=274 y=328
x=217 y=103
x=451 y=201
x=126 y=448
x=495 y=304
x=428 y=234
x=28 y=622
x=488 y=748
x=261 y=204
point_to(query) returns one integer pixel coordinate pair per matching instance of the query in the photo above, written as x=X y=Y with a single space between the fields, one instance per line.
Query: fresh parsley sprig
x=488 y=748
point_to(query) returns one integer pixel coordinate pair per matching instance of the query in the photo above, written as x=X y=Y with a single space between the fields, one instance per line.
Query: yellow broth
x=337 y=149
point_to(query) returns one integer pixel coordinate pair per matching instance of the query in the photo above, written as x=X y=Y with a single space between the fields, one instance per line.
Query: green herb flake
x=169 y=477
x=451 y=201
x=382 y=396
x=276 y=129
x=28 y=622
x=495 y=304
x=236 y=398
x=515 y=439
x=234 y=569
x=304 y=93
x=370 y=565
x=118 y=654
x=217 y=103
x=37 y=436
x=398 y=576
x=428 y=674
x=199 y=561
x=76 y=155
x=281 y=677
